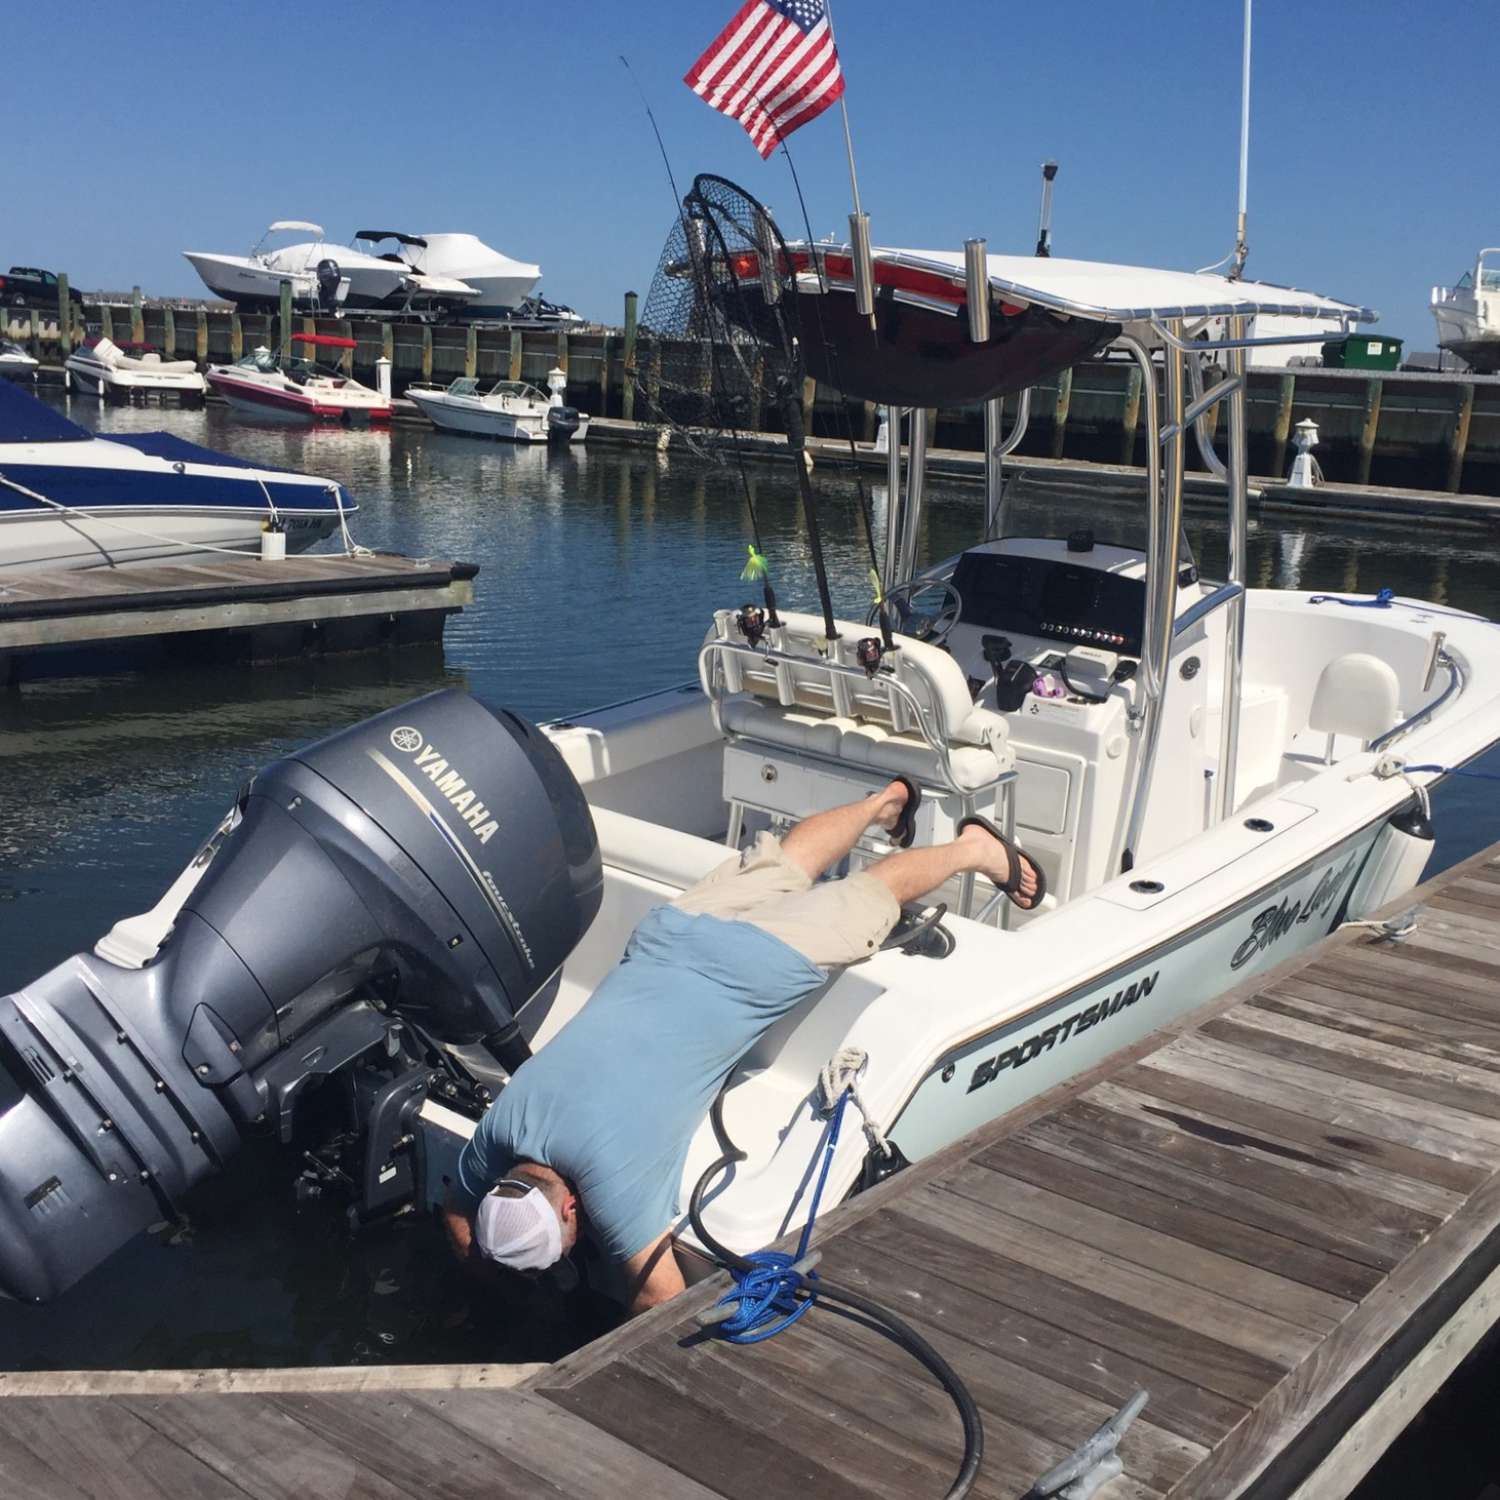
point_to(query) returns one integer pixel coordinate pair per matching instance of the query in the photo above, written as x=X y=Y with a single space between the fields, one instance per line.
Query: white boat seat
x=916 y=719
x=1357 y=695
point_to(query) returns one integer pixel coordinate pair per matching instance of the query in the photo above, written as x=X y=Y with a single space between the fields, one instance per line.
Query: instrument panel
x=1051 y=599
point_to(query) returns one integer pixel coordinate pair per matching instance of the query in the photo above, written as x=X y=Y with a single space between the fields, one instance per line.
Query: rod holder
x=977 y=285
x=864 y=264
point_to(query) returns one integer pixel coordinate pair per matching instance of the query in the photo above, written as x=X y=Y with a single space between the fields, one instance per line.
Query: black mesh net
x=718 y=350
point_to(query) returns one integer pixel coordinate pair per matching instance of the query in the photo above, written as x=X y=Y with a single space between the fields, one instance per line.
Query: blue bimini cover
x=24 y=419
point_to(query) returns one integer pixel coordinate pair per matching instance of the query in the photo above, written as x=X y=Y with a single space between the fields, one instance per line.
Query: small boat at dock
x=15 y=362
x=118 y=372
x=510 y=410
x=299 y=389
x=71 y=499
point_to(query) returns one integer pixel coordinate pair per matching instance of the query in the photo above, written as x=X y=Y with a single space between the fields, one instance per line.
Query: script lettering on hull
x=1273 y=924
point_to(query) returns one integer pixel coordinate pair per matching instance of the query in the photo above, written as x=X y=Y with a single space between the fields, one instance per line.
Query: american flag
x=773 y=68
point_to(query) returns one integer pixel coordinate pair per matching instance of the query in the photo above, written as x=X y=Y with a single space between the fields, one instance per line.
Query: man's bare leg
x=910 y=874
x=821 y=841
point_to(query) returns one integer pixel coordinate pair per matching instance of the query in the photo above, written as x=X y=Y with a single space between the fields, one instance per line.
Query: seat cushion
x=908 y=755
x=1357 y=694
x=796 y=729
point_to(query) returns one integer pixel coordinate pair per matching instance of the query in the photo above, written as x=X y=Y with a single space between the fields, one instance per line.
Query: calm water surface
x=598 y=573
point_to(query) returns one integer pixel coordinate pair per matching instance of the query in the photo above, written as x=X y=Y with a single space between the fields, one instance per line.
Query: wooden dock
x=226 y=608
x=1280 y=1216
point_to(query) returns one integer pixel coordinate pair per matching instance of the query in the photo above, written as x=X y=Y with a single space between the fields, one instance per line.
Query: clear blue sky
x=137 y=131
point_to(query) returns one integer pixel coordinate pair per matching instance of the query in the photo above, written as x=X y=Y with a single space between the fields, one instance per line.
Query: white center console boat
x=1468 y=314
x=510 y=410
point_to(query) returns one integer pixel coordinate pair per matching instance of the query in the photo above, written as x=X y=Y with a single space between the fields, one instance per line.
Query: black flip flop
x=906 y=825
x=1012 y=886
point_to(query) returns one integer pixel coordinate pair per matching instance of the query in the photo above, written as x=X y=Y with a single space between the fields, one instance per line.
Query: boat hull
x=457 y=415
x=33 y=541
x=275 y=402
x=1003 y=1068
x=107 y=380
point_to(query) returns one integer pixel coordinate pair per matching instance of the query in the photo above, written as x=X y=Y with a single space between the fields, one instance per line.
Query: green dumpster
x=1362 y=351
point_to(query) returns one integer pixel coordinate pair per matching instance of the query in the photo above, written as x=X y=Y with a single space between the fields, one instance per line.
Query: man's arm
x=652 y=1276
x=458 y=1225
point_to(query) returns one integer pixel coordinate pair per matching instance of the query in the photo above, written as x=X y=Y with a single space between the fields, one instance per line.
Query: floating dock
x=1280 y=1216
x=225 y=609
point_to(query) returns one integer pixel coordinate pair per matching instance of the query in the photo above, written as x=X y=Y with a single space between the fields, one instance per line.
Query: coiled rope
x=773 y=1290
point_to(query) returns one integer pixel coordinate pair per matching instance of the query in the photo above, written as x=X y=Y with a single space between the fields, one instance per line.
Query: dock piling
x=627 y=392
x=200 y=336
x=1131 y=416
x=1458 y=444
x=517 y=349
x=1368 y=430
x=471 y=352
x=64 y=315
x=427 y=352
x=1060 y=412
x=1281 y=432
x=137 y=316
x=169 y=333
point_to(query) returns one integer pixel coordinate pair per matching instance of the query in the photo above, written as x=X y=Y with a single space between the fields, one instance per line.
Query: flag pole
x=862 y=254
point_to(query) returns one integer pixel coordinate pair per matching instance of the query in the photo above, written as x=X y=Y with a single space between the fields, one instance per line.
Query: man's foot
x=894 y=809
x=1006 y=865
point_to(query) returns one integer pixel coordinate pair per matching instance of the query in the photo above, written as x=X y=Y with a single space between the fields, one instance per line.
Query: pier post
x=236 y=339
x=809 y=400
x=1282 y=430
x=1130 y=418
x=106 y=321
x=168 y=333
x=562 y=350
x=200 y=336
x=517 y=351
x=1367 y=432
x=1060 y=412
x=627 y=389
x=869 y=422
x=427 y=351
x=346 y=356
x=137 y=317
x=471 y=351
x=284 y=342
x=606 y=347
x=388 y=344
x=758 y=392
x=1458 y=444
x=64 y=315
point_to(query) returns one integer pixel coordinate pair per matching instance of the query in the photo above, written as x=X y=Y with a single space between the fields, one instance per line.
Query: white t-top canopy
x=1128 y=294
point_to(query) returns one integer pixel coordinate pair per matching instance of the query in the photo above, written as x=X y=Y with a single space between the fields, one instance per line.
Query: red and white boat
x=299 y=389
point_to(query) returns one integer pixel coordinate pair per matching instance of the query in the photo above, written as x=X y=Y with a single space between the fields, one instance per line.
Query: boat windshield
x=1489 y=281
x=516 y=388
x=466 y=385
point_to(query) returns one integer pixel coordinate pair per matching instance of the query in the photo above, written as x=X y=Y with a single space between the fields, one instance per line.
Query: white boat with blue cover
x=71 y=499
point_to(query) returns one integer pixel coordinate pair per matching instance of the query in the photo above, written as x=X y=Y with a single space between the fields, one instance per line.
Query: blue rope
x=770 y=1295
x=1455 y=771
x=1380 y=600
x=1384 y=598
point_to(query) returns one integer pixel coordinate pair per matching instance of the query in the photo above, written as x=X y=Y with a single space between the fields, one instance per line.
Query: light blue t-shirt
x=612 y=1101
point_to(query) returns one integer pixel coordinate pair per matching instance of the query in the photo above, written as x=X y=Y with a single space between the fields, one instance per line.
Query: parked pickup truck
x=28 y=286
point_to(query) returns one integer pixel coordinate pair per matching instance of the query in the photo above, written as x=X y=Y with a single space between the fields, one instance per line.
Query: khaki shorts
x=832 y=923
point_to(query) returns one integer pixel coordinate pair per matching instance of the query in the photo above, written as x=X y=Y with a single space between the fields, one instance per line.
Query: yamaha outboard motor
x=412 y=881
x=562 y=423
x=333 y=287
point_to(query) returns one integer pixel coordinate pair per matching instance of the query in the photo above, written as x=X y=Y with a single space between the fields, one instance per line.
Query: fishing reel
x=752 y=623
x=869 y=651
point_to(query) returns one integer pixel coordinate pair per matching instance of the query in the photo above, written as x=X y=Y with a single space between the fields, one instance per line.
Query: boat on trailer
x=71 y=499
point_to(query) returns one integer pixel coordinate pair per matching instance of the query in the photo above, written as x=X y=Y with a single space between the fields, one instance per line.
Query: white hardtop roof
x=1130 y=294
x=303 y=224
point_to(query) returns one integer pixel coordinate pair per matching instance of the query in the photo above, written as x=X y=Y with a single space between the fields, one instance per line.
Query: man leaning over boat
x=593 y=1131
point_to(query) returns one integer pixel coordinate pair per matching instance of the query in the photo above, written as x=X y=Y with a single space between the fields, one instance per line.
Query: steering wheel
x=927 y=608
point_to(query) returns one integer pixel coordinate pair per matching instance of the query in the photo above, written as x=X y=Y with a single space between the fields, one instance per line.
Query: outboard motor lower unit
x=412 y=881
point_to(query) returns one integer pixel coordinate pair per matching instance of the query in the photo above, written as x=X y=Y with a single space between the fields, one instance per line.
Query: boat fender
x=1396 y=863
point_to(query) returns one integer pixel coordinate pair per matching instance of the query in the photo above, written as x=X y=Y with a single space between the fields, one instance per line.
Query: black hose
x=897 y=1329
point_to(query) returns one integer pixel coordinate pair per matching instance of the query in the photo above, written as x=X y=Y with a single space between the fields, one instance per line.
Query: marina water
x=598 y=571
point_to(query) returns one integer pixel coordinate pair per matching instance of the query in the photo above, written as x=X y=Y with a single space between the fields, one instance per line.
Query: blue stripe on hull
x=108 y=489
